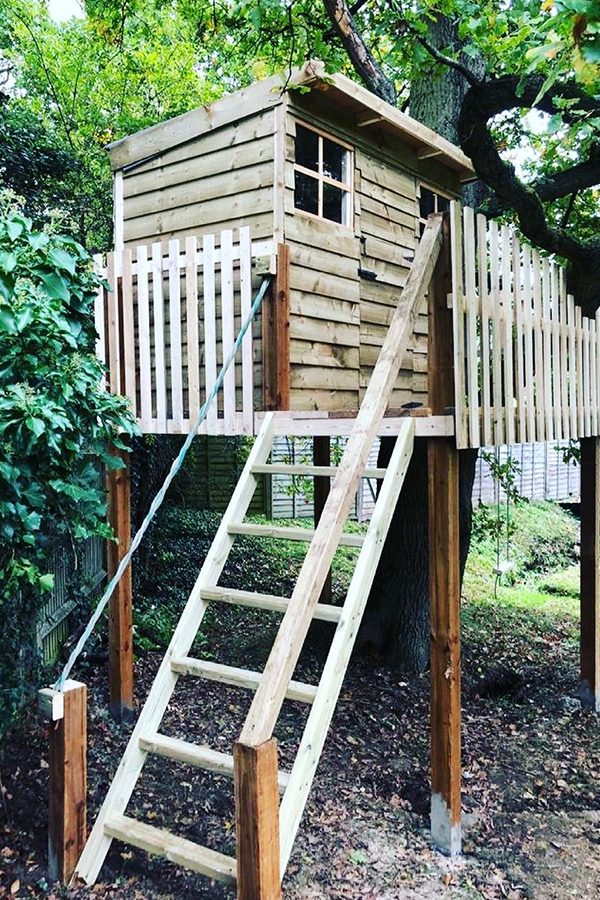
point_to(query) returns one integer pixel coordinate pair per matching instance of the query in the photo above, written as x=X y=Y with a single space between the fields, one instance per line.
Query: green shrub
x=56 y=424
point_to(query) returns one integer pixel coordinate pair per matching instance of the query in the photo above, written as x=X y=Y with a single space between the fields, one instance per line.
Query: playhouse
x=321 y=226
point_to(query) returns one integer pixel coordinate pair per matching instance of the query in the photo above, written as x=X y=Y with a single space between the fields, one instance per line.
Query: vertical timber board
x=322 y=486
x=257 y=821
x=68 y=783
x=120 y=634
x=276 y=335
x=444 y=602
x=590 y=553
x=444 y=572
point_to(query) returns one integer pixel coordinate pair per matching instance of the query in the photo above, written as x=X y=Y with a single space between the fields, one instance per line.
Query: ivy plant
x=57 y=422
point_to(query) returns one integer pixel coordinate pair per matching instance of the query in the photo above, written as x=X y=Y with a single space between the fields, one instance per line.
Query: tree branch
x=448 y=61
x=360 y=56
x=489 y=99
x=560 y=184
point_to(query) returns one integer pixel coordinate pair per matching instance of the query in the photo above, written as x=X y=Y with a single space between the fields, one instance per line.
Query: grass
x=542 y=589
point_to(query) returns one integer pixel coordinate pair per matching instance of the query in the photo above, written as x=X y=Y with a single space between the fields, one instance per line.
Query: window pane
x=306 y=194
x=333 y=198
x=307 y=148
x=443 y=204
x=426 y=203
x=335 y=161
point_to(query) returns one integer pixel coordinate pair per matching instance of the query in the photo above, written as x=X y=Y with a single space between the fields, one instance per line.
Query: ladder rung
x=202 y=668
x=176 y=849
x=324 y=611
x=195 y=755
x=323 y=471
x=289 y=533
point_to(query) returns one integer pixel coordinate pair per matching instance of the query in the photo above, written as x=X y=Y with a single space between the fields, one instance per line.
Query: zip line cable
x=160 y=496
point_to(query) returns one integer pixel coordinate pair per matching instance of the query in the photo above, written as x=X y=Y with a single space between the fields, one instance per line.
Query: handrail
x=266 y=705
x=160 y=496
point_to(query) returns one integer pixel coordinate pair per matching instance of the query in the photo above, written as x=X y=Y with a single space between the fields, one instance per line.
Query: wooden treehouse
x=380 y=319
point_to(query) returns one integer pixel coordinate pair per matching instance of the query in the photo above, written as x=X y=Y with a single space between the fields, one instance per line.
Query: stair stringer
x=132 y=762
x=315 y=732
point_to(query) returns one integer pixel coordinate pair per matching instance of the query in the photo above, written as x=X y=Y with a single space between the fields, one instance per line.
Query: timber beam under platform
x=318 y=423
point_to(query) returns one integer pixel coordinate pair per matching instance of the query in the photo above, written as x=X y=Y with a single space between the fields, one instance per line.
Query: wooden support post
x=444 y=571
x=322 y=486
x=66 y=711
x=120 y=633
x=590 y=567
x=257 y=821
x=276 y=336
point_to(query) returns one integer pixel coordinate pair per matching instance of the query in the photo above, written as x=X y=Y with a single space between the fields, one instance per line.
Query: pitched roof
x=370 y=110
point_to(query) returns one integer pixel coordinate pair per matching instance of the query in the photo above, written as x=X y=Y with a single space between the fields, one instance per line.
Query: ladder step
x=195 y=755
x=324 y=611
x=289 y=533
x=186 y=665
x=323 y=471
x=176 y=849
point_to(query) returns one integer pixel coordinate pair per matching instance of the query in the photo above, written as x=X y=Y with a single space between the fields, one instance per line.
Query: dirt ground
x=531 y=787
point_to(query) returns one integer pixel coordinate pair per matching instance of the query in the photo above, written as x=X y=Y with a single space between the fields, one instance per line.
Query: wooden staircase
x=265 y=834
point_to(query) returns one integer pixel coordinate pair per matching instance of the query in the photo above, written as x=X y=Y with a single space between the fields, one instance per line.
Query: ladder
x=272 y=686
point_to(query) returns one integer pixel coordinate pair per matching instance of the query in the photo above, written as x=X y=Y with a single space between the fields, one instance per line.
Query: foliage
x=87 y=85
x=56 y=421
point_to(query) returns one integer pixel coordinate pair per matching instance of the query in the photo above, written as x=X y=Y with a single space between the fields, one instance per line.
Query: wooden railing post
x=257 y=821
x=276 y=336
x=67 y=714
x=444 y=571
x=590 y=570
x=120 y=633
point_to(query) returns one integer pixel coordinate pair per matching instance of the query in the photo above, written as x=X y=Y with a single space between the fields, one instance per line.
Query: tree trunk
x=396 y=621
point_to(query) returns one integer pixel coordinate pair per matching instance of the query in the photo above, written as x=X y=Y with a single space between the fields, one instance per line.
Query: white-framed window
x=323 y=170
x=430 y=201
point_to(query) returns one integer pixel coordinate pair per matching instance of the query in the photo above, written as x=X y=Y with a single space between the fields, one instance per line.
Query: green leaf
x=55 y=285
x=38 y=240
x=46 y=582
x=15 y=228
x=36 y=425
x=62 y=260
x=8 y=261
x=7 y=320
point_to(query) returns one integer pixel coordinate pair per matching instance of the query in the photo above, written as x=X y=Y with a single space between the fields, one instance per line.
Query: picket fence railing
x=170 y=318
x=527 y=363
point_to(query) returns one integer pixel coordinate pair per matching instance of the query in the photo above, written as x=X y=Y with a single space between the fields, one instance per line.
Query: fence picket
x=580 y=389
x=572 y=367
x=556 y=388
x=528 y=329
x=246 y=304
x=497 y=337
x=227 y=324
x=458 y=323
x=158 y=308
x=144 y=338
x=546 y=315
x=519 y=342
x=130 y=386
x=191 y=317
x=99 y=312
x=564 y=355
x=472 y=349
x=113 y=350
x=210 y=325
x=482 y=254
x=539 y=346
x=509 y=318
x=175 y=338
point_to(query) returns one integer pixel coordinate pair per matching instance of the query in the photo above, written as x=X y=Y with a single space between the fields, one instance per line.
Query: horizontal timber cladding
x=346 y=282
x=218 y=180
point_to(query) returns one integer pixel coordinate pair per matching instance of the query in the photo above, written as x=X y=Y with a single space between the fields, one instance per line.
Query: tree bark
x=396 y=621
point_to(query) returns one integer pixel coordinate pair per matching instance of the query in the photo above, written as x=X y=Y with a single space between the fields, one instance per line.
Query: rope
x=160 y=496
